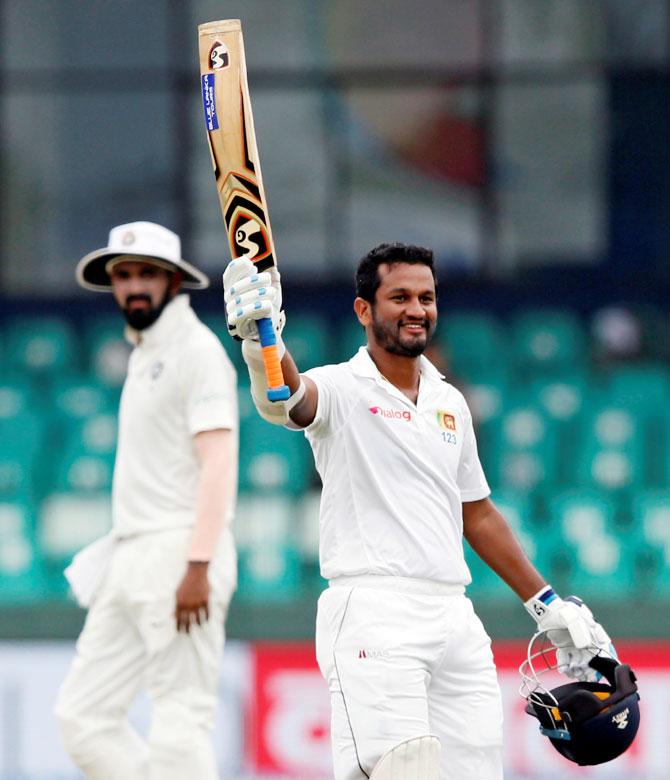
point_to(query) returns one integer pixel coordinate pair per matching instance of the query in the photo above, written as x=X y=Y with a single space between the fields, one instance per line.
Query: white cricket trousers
x=130 y=640
x=404 y=658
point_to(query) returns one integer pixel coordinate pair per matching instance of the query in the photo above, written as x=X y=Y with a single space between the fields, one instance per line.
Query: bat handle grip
x=277 y=389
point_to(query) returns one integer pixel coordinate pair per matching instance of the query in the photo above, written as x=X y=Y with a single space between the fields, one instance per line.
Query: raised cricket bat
x=232 y=144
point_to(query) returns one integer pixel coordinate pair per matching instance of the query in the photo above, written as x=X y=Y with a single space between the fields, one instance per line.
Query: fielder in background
x=413 y=686
x=158 y=586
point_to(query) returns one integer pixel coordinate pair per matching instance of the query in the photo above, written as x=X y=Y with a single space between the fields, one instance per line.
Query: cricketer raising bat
x=232 y=144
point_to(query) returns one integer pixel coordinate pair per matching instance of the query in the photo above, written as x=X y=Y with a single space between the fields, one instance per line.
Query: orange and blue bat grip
x=278 y=390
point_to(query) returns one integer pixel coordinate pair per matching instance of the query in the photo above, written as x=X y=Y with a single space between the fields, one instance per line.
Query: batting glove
x=250 y=296
x=571 y=628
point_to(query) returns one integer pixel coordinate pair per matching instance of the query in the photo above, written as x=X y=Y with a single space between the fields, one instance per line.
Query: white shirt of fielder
x=394 y=473
x=180 y=382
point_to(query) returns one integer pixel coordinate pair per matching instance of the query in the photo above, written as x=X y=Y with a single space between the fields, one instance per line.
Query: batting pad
x=414 y=759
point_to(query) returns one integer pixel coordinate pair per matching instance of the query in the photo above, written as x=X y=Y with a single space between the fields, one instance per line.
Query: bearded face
x=403 y=316
x=142 y=290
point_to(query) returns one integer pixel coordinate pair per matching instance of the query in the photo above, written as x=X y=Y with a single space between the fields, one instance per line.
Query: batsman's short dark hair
x=367 y=273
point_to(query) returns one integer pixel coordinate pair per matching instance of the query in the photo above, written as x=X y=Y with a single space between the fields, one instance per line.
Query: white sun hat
x=135 y=240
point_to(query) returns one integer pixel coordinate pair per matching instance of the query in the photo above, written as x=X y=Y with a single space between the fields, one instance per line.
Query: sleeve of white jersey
x=334 y=401
x=210 y=387
x=471 y=479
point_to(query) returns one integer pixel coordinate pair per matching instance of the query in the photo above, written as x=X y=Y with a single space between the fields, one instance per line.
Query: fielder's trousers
x=130 y=640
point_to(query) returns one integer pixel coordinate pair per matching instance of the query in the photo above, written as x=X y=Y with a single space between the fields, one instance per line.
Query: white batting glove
x=250 y=296
x=571 y=628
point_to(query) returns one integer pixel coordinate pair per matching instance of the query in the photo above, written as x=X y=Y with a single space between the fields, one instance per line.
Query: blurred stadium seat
x=611 y=449
x=21 y=438
x=273 y=458
x=87 y=455
x=475 y=343
x=78 y=397
x=268 y=558
x=349 y=337
x=21 y=574
x=642 y=388
x=523 y=450
x=69 y=521
x=40 y=346
x=600 y=558
x=651 y=524
x=106 y=350
x=308 y=539
x=307 y=337
x=545 y=342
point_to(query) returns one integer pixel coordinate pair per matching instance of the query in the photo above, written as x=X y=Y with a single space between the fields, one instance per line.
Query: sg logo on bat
x=218 y=56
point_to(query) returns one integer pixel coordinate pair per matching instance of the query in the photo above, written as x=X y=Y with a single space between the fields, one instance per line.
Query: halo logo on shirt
x=446 y=421
x=392 y=414
x=156 y=369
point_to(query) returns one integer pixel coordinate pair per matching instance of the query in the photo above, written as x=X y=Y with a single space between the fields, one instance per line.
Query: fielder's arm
x=494 y=542
x=216 y=451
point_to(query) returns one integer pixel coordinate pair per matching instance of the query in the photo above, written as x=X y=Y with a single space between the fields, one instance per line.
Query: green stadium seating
x=307 y=537
x=651 y=524
x=268 y=561
x=642 y=388
x=475 y=344
x=487 y=398
x=563 y=396
x=522 y=454
x=518 y=508
x=75 y=398
x=604 y=570
x=630 y=332
x=41 y=346
x=611 y=449
x=17 y=396
x=68 y=521
x=547 y=341
x=83 y=471
x=96 y=434
x=643 y=391
x=485 y=582
x=106 y=350
x=308 y=340
x=602 y=561
x=21 y=437
x=273 y=458
x=350 y=336
x=582 y=516
x=22 y=578
x=87 y=460
x=245 y=402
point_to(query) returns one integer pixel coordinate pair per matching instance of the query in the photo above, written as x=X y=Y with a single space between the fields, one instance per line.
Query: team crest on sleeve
x=446 y=421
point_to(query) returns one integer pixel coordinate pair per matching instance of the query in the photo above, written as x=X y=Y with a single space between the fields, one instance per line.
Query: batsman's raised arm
x=250 y=296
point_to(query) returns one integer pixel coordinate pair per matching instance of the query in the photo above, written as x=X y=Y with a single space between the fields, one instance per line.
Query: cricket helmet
x=587 y=722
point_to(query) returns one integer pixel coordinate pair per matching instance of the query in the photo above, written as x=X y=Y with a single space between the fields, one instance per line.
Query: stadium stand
x=576 y=449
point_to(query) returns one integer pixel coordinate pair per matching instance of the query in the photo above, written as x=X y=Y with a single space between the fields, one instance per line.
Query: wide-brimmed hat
x=135 y=240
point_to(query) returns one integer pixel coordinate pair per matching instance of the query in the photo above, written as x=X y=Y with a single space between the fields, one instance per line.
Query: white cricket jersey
x=180 y=382
x=394 y=473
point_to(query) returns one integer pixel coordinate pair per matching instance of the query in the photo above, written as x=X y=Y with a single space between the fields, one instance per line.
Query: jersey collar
x=363 y=365
x=173 y=316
